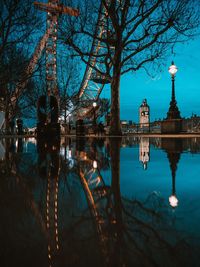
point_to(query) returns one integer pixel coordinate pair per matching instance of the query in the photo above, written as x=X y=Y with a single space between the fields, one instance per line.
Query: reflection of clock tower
x=144 y=114
x=144 y=155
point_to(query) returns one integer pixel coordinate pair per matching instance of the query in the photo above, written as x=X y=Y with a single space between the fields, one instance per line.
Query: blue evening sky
x=137 y=86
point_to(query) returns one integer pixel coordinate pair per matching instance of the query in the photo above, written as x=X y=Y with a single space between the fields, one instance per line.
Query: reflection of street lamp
x=94 y=119
x=173 y=201
x=173 y=112
x=173 y=147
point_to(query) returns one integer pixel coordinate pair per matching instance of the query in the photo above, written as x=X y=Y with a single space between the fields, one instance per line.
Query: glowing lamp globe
x=173 y=69
x=95 y=164
x=173 y=201
x=69 y=154
x=94 y=104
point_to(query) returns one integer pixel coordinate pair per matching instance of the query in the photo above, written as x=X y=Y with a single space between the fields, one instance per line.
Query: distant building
x=124 y=126
x=124 y=122
x=144 y=114
x=191 y=125
x=144 y=151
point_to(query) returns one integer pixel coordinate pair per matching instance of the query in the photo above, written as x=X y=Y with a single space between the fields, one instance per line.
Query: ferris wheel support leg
x=48 y=127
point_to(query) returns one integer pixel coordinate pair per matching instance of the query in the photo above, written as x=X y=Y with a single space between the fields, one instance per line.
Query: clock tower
x=144 y=114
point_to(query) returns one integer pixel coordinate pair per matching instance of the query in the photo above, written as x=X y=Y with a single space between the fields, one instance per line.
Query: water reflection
x=2 y=152
x=144 y=151
x=49 y=168
x=63 y=203
x=173 y=148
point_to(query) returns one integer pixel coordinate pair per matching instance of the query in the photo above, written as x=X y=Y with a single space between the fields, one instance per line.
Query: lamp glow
x=173 y=69
x=70 y=154
x=95 y=164
x=173 y=201
x=94 y=104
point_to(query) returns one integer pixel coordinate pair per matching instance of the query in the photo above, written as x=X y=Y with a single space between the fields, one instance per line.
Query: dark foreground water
x=100 y=202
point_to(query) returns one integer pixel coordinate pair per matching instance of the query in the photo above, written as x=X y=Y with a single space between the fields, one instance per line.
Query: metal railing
x=141 y=128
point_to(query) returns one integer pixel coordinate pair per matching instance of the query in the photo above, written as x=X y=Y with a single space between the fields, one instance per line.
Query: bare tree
x=136 y=34
x=69 y=80
x=10 y=70
x=18 y=21
x=18 y=26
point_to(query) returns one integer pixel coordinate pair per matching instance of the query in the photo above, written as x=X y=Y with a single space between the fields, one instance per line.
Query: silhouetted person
x=100 y=129
x=12 y=126
x=19 y=126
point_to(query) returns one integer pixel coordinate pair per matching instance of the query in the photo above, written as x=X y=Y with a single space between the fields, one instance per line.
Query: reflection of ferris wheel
x=49 y=168
x=99 y=200
x=52 y=208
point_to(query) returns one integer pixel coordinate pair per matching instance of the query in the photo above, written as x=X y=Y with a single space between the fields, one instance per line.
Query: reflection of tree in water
x=81 y=236
x=132 y=233
x=191 y=144
x=90 y=211
x=144 y=232
x=129 y=232
x=17 y=223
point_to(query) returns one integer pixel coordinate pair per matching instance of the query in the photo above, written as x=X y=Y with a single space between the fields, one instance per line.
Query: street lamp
x=173 y=112
x=94 y=164
x=94 y=104
x=173 y=69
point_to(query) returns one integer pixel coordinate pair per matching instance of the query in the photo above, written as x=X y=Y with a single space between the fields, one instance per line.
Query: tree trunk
x=115 y=126
x=115 y=144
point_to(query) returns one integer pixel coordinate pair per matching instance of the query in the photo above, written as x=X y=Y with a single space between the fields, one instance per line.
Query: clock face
x=144 y=113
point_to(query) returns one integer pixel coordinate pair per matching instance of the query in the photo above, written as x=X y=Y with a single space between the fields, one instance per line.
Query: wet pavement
x=131 y=201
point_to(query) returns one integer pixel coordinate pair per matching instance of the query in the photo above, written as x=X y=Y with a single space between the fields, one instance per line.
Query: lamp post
x=173 y=112
x=94 y=118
